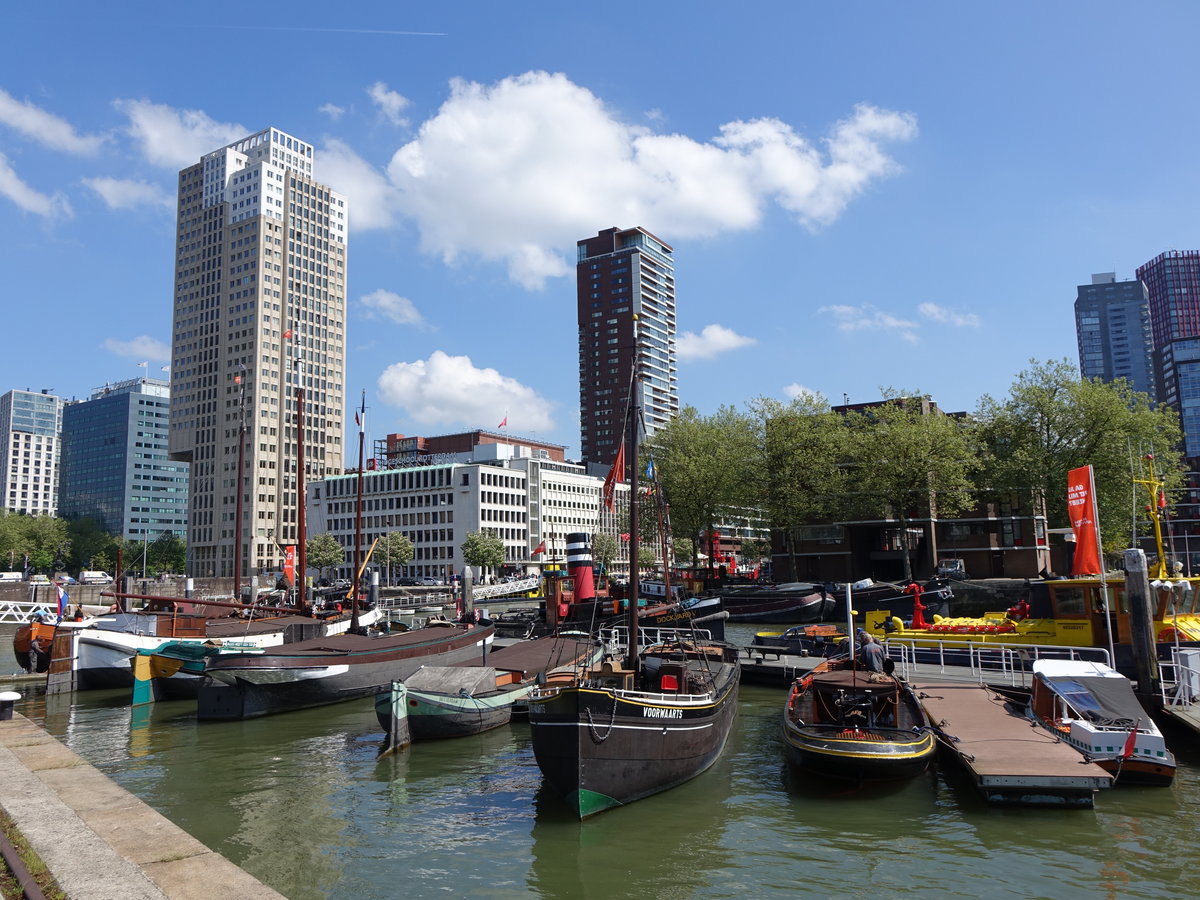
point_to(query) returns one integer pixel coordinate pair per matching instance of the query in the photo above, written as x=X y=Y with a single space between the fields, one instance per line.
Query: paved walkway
x=99 y=841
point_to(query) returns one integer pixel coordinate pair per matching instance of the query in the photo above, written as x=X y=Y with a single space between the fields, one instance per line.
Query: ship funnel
x=579 y=565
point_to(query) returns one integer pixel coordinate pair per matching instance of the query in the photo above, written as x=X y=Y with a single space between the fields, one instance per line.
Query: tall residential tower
x=260 y=309
x=622 y=273
x=30 y=424
x=1173 y=286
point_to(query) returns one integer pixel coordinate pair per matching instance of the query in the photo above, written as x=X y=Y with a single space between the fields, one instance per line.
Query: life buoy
x=1168 y=634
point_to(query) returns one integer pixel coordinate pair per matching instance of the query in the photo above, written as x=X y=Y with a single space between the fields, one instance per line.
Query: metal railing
x=987 y=661
x=616 y=639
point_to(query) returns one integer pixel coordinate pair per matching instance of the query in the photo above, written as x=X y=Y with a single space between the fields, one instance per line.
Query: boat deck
x=1010 y=760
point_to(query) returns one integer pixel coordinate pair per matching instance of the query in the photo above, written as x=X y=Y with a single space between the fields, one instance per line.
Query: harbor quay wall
x=98 y=840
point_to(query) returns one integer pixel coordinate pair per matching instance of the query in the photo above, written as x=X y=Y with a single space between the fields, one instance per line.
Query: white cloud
x=373 y=202
x=391 y=306
x=28 y=198
x=450 y=390
x=127 y=194
x=175 y=138
x=141 y=347
x=795 y=390
x=390 y=103
x=517 y=170
x=868 y=318
x=711 y=341
x=332 y=110
x=941 y=314
x=46 y=128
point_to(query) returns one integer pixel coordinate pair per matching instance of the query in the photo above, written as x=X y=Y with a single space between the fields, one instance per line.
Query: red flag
x=503 y=422
x=541 y=548
x=1130 y=743
x=1081 y=508
x=615 y=474
x=357 y=419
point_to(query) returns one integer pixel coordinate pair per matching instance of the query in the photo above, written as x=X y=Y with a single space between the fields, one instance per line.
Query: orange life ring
x=1168 y=634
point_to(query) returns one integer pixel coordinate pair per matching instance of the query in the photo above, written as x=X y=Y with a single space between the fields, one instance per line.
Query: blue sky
x=860 y=195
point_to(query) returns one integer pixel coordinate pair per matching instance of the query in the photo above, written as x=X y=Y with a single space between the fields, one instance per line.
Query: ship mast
x=633 y=426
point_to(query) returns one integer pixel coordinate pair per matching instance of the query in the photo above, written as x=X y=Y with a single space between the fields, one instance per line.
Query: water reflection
x=301 y=801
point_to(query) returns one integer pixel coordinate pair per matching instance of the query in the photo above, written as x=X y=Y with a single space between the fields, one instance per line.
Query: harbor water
x=301 y=802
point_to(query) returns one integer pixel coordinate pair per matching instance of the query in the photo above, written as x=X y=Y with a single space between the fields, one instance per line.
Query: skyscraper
x=622 y=273
x=30 y=423
x=114 y=466
x=1173 y=287
x=260 y=310
x=1112 y=325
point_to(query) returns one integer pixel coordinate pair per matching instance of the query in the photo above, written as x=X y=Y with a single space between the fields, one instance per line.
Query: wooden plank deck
x=1011 y=761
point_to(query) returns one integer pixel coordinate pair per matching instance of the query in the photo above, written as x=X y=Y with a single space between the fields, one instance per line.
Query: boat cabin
x=1078 y=609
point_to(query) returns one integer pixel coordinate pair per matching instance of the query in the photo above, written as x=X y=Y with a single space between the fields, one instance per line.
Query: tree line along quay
x=801 y=464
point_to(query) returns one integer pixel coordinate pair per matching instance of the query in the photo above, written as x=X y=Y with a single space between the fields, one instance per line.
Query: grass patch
x=9 y=889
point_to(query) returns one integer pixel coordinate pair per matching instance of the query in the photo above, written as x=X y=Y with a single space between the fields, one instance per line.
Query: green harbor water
x=300 y=801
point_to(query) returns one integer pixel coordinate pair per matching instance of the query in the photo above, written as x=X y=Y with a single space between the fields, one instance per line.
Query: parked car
x=430 y=581
x=39 y=579
x=94 y=577
x=64 y=578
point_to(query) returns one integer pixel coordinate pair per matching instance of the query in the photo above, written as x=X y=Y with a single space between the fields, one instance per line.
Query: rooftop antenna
x=845 y=398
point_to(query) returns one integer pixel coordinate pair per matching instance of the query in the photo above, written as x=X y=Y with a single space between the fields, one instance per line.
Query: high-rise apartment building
x=30 y=423
x=1172 y=282
x=620 y=274
x=1112 y=325
x=114 y=466
x=260 y=311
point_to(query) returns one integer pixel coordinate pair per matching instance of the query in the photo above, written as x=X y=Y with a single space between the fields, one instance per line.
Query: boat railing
x=616 y=638
x=988 y=661
x=1180 y=681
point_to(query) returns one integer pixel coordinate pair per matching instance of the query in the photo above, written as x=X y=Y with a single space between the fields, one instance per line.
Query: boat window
x=1069 y=601
x=1077 y=695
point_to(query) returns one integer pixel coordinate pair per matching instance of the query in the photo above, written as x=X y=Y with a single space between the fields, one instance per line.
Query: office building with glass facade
x=115 y=468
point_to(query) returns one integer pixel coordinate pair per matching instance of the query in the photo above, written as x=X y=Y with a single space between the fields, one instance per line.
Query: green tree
x=168 y=553
x=322 y=551
x=705 y=467
x=1053 y=421
x=909 y=460
x=46 y=541
x=800 y=470
x=604 y=550
x=483 y=549
x=87 y=540
x=394 y=550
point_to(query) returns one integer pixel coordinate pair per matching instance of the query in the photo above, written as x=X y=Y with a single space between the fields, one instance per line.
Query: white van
x=11 y=578
x=94 y=578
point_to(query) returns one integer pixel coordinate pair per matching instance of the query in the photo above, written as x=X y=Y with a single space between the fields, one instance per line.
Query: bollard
x=7 y=699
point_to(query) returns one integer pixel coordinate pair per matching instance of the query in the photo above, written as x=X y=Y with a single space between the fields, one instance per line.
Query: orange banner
x=1081 y=508
x=289 y=563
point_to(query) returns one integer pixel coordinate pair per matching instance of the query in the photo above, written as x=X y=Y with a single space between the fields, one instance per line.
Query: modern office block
x=114 y=466
x=1112 y=325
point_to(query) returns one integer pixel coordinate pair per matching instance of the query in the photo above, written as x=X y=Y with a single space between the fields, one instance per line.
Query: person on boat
x=871 y=653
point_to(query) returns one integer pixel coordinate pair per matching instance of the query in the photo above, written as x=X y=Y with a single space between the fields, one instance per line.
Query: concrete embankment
x=98 y=840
